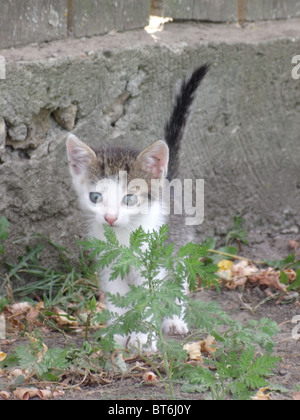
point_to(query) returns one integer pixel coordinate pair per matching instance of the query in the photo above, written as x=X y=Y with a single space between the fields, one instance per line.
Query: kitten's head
x=113 y=184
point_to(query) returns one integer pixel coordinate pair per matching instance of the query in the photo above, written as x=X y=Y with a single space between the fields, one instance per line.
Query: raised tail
x=175 y=126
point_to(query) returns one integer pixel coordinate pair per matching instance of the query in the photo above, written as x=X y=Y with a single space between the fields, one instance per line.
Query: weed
x=237 y=233
x=158 y=298
x=242 y=357
x=4 y=225
x=62 y=285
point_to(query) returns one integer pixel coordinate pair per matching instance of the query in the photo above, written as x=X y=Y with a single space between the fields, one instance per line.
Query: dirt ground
x=238 y=305
x=242 y=305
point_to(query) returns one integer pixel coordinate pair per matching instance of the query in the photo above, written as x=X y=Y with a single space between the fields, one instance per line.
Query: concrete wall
x=230 y=10
x=27 y=21
x=242 y=137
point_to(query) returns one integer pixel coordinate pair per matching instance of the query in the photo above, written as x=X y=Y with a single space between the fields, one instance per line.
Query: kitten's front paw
x=175 y=325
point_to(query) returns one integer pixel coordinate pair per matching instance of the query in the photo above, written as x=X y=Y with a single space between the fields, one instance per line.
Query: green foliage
x=289 y=262
x=238 y=368
x=4 y=225
x=45 y=364
x=51 y=364
x=243 y=358
x=236 y=375
x=237 y=232
x=63 y=284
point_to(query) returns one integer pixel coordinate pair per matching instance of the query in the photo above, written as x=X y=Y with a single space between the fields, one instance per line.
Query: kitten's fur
x=106 y=199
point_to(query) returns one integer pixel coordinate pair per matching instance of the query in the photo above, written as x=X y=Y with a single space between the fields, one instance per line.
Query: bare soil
x=240 y=305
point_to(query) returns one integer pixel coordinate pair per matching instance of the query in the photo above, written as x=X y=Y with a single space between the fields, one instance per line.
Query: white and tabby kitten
x=110 y=191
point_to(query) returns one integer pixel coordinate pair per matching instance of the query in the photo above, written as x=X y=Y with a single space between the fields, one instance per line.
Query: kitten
x=113 y=185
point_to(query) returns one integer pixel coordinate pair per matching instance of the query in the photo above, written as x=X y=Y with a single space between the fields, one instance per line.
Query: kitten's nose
x=111 y=218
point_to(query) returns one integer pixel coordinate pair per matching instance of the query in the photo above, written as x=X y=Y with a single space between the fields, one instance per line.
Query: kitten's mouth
x=113 y=225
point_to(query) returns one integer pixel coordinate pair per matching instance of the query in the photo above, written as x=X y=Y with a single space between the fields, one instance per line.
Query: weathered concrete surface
x=92 y=17
x=242 y=137
x=26 y=21
x=231 y=10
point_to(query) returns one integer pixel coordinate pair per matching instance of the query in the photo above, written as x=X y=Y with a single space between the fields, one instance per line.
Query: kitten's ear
x=79 y=154
x=155 y=159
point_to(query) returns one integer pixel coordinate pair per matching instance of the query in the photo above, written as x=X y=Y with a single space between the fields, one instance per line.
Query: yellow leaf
x=225 y=265
x=208 y=345
x=261 y=396
x=2 y=356
x=194 y=350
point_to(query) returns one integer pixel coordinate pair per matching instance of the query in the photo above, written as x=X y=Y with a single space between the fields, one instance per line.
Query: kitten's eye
x=95 y=197
x=130 y=200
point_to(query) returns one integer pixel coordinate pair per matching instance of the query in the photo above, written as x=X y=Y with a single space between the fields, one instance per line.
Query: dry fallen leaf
x=33 y=314
x=46 y=394
x=296 y=397
x=19 y=308
x=16 y=372
x=208 y=345
x=245 y=271
x=4 y=395
x=43 y=394
x=291 y=274
x=63 y=318
x=268 y=277
x=261 y=396
x=150 y=377
x=244 y=268
x=194 y=350
x=25 y=393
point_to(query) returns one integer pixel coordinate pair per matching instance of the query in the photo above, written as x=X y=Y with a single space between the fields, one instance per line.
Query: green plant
x=237 y=233
x=157 y=298
x=42 y=364
x=61 y=285
x=243 y=356
x=4 y=225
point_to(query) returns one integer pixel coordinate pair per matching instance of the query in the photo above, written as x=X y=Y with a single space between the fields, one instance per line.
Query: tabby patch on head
x=114 y=183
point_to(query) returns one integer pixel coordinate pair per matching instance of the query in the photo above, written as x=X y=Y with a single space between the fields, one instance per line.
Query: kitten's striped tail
x=175 y=126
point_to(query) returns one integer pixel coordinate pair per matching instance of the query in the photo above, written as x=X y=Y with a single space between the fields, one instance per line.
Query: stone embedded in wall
x=18 y=133
x=66 y=117
x=37 y=130
x=115 y=109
